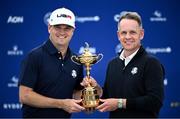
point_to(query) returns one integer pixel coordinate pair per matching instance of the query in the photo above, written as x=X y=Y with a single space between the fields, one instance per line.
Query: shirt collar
x=52 y=49
x=129 y=58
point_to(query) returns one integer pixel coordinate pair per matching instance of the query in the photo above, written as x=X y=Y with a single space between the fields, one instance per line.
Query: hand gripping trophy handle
x=90 y=98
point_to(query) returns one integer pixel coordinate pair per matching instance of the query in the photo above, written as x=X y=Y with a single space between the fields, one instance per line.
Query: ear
x=49 y=27
x=118 y=35
x=73 y=31
x=142 y=34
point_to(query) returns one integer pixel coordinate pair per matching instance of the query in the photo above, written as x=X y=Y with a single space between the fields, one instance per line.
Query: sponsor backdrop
x=24 y=26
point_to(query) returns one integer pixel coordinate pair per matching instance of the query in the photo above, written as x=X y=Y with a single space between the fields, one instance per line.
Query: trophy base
x=90 y=99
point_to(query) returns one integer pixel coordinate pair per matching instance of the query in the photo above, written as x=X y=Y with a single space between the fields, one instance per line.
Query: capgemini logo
x=86 y=19
x=116 y=17
x=159 y=50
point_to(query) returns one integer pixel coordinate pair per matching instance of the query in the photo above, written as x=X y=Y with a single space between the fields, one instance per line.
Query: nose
x=61 y=31
x=128 y=35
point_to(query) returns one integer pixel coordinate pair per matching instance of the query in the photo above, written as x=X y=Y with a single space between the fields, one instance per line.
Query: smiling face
x=130 y=34
x=60 y=35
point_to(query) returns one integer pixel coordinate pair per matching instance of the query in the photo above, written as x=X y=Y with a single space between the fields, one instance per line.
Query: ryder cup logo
x=74 y=73
x=134 y=70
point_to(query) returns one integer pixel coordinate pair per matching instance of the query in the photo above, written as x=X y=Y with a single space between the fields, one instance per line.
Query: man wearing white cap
x=48 y=77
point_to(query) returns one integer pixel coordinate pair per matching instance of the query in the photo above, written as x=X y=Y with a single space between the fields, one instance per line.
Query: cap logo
x=64 y=15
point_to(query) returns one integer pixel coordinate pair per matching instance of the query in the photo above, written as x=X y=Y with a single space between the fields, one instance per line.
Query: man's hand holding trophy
x=92 y=91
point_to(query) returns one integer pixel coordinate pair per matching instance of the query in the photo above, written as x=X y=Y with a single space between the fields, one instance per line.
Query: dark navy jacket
x=140 y=82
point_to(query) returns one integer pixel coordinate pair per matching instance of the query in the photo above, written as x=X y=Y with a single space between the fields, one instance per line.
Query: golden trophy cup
x=90 y=97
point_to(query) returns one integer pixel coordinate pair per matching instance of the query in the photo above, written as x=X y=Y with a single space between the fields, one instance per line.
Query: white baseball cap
x=62 y=16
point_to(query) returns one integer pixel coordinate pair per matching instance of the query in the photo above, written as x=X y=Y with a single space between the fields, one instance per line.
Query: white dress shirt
x=129 y=58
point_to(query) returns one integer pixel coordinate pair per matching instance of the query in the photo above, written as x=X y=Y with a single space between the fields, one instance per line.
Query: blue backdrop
x=24 y=26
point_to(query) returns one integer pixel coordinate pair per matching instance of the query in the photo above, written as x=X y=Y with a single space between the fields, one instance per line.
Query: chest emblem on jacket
x=74 y=73
x=134 y=70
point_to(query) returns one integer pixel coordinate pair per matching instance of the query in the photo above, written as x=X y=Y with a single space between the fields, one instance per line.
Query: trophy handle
x=76 y=60
x=99 y=58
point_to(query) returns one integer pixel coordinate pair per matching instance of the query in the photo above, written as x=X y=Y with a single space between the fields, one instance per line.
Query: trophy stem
x=88 y=72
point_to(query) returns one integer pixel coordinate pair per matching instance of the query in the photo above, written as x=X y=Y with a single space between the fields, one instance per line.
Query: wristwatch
x=120 y=103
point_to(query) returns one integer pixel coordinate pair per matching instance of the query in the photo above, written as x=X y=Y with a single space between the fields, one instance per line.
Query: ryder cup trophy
x=90 y=98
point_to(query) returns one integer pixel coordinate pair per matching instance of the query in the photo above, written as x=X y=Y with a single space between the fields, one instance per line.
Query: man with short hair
x=134 y=80
x=48 y=77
